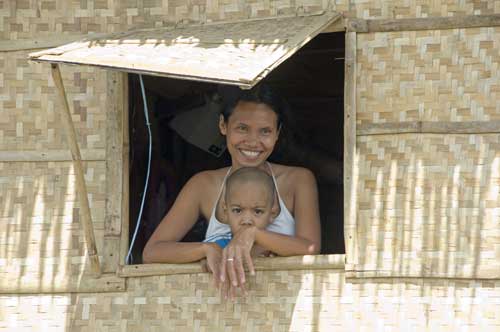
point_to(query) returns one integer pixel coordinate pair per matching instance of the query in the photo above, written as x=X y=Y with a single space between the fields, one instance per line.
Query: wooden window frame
x=118 y=99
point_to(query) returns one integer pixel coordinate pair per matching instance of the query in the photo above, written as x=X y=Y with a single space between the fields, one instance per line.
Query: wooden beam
x=81 y=188
x=114 y=144
x=50 y=155
x=429 y=127
x=308 y=262
x=377 y=274
x=424 y=23
x=33 y=283
x=41 y=43
x=350 y=148
x=116 y=105
x=124 y=241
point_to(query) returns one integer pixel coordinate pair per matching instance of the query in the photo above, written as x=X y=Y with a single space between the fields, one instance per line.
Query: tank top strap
x=221 y=189
x=274 y=179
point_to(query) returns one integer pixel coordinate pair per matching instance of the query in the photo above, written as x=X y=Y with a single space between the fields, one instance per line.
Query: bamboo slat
x=40 y=284
x=429 y=127
x=86 y=219
x=424 y=23
x=50 y=155
x=308 y=262
x=124 y=241
x=350 y=148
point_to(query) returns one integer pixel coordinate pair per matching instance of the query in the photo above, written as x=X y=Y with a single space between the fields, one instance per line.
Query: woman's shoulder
x=295 y=172
x=209 y=178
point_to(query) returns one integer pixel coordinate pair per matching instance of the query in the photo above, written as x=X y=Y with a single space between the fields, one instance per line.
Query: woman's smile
x=250 y=154
x=251 y=133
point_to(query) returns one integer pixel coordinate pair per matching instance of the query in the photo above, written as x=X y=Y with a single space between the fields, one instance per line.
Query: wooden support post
x=77 y=164
x=350 y=190
x=124 y=242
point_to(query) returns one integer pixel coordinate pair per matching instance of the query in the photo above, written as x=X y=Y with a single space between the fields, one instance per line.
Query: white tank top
x=284 y=223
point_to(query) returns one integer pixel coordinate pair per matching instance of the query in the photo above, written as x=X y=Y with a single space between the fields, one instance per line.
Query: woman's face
x=251 y=133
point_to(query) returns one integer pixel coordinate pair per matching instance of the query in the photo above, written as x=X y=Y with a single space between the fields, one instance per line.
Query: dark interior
x=311 y=81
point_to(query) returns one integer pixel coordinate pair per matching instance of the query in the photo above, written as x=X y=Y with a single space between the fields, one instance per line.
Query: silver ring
x=230 y=259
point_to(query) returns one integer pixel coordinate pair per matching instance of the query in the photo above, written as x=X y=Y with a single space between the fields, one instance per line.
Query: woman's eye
x=265 y=131
x=241 y=128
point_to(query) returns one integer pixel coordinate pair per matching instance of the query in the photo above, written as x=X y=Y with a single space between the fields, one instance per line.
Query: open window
x=186 y=138
x=192 y=61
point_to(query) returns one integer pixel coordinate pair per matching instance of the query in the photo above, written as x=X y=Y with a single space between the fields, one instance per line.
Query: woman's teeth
x=251 y=154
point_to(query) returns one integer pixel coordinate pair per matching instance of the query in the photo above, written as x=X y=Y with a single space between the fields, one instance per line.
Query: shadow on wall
x=427 y=204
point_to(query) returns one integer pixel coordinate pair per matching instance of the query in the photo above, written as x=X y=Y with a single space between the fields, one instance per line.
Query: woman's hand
x=213 y=254
x=236 y=253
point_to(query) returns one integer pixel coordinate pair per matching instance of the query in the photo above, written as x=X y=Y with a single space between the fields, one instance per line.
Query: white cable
x=127 y=259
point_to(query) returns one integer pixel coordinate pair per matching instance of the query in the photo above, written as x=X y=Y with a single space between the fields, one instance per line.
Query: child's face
x=248 y=204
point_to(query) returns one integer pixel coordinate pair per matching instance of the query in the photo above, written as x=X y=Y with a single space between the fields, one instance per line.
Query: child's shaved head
x=251 y=175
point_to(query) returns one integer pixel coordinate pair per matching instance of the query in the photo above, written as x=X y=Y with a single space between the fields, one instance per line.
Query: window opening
x=311 y=81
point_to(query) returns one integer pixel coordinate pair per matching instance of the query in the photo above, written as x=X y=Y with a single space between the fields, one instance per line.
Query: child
x=249 y=199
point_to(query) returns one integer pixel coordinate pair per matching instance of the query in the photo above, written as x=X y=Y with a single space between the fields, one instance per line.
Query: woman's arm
x=164 y=245
x=307 y=239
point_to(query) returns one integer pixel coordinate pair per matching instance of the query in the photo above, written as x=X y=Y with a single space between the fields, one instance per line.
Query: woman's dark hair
x=260 y=94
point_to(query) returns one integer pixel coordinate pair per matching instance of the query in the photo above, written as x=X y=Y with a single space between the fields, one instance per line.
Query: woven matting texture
x=279 y=301
x=29 y=102
x=429 y=204
x=445 y=75
x=23 y=19
x=41 y=236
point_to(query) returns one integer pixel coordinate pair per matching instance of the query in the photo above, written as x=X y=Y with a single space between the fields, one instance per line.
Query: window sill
x=308 y=262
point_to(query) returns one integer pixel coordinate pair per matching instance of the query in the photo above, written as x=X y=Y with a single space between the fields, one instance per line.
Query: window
x=311 y=81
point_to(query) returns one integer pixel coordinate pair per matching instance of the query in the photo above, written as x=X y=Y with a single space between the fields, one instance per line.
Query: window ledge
x=308 y=262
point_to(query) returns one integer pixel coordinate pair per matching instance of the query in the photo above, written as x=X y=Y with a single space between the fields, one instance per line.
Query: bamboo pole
x=80 y=181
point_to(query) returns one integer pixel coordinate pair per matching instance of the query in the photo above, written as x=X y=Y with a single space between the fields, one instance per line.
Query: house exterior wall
x=41 y=238
x=279 y=301
x=428 y=203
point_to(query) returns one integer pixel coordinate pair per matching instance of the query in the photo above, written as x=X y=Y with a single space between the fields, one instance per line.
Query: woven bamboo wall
x=281 y=301
x=428 y=204
x=40 y=234
x=23 y=19
x=40 y=237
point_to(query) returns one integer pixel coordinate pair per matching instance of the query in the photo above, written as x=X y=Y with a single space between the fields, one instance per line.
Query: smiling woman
x=251 y=123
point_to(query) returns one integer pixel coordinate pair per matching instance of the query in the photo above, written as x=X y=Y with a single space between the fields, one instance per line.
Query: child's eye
x=236 y=210
x=259 y=212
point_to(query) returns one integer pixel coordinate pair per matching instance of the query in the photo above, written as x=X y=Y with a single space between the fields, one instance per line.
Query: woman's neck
x=264 y=166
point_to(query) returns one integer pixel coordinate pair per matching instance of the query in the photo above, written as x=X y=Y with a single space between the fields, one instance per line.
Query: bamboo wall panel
x=428 y=205
x=444 y=75
x=41 y=234
x=24 y=19
x=422 y=8
x=279 y=301
x=28 y=100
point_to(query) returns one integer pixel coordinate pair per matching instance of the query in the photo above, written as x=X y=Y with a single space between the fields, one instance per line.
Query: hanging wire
x=137 y=224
